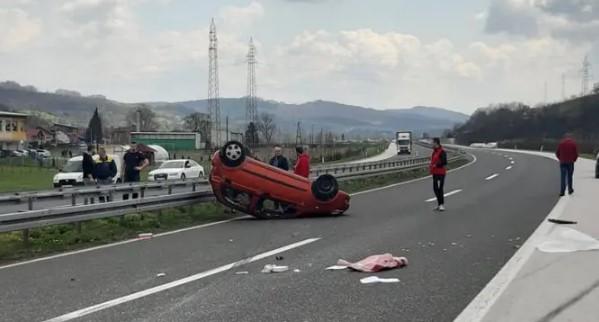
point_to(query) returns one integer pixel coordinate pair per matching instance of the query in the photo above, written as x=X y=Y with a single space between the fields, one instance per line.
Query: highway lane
x=452 y=255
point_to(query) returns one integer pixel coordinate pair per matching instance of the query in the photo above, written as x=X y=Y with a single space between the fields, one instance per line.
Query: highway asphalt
x=452 y=256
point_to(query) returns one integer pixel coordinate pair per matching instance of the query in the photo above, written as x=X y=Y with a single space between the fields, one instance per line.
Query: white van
x=72 y=172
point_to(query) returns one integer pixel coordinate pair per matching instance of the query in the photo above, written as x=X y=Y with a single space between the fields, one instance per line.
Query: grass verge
x=17 y=178
x=60 y=238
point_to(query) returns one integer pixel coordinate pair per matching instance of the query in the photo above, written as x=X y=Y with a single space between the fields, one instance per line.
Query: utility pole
x=227 y=128
x=586 y=75
x=213 y=89
x=563 y=86
x=251 y=108
x=138 y=116
x=298 y=134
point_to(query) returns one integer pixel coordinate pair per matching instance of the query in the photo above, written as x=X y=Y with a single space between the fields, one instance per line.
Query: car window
x=173 y=165
x=193 y=163
x=73 y=166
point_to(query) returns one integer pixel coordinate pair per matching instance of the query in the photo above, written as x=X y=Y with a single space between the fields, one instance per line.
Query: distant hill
x=71 y=107
x=518 y=124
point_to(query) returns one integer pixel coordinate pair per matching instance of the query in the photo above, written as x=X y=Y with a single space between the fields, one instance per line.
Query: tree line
x=516 y=122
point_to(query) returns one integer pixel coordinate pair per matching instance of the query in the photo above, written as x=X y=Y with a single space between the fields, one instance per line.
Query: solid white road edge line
x=491 y=177
x=446 y=195
x=474 y=160
x=118 y=243
x=482 y=303
x=163 y=287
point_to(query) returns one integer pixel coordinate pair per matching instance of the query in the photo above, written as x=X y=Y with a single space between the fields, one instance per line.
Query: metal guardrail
x=72 y=214
x=99 y=190
x=76 y=213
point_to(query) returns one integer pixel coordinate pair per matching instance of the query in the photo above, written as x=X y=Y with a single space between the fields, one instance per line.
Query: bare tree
x=147 y=118
x=197 y=122
x=267 y=126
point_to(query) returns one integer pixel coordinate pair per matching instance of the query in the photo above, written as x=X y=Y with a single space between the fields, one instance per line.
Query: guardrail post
x=26 y=237
x=142 y=192
x=170 y=189
x=30 y=203
x=74 y=199
x=193 y=187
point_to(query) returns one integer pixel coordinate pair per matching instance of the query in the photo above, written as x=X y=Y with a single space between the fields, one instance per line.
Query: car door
x=194 y=169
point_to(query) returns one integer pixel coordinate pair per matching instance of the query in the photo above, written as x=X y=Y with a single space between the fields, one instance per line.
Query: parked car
x=72 y=172
x=177 y=169
x=41 y=153
x=19 y=153
x=263 y=191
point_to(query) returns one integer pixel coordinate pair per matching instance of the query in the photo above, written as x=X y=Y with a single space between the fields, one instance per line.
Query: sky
x=383 y=54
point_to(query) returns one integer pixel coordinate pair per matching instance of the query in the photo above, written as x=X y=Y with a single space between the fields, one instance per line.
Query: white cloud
x=17 y=29
x=238 y=18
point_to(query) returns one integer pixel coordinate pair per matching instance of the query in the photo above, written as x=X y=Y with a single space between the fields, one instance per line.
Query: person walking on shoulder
x=567 y=154
x=438 y=169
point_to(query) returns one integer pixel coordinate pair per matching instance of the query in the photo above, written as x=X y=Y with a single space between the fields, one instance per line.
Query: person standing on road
x=278 y=160
x=105 y=168
x=438 y=169
x=567 y=153
x=135 y=161
x=87 y=165
x=302 y=165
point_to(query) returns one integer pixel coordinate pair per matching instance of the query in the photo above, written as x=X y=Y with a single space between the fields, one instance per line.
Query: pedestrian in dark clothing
x=105 y=168
x=278 y=160
x=135 y=161
x=88 y=165
x=438 y=170
x=567 y=153
x=71 y=154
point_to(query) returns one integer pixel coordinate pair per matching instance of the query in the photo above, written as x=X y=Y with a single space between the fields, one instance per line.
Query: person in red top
x=438 y=171
x=567 y=153
x=302 y=165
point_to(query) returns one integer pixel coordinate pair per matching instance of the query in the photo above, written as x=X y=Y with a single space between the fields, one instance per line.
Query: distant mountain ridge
x=75 y=109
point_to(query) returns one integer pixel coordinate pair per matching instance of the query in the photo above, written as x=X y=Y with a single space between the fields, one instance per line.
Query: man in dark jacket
x=567 y=153
x=135 y=161
x=105 y=169
x=278 y=160
x=438 y=170
x=88 y=164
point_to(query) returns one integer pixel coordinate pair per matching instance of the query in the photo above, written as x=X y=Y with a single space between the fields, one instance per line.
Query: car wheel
x=325 y=187
x=232 y=154
x=182 y=176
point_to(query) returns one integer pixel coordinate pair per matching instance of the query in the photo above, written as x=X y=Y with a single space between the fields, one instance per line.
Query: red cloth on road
x=302 y=166
x=567 y=151
x=376 y=263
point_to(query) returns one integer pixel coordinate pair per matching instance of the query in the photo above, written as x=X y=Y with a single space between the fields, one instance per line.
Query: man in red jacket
x=302 y=165
x=438 y=170
x=567 y=153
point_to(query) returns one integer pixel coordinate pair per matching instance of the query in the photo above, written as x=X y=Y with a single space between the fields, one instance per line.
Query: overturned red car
x=261 y=190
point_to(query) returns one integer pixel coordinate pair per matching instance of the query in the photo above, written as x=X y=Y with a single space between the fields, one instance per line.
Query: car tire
x=232 y=154
x=325 y=187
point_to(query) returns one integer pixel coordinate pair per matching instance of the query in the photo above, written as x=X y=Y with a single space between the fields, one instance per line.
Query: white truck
x=403 y=141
